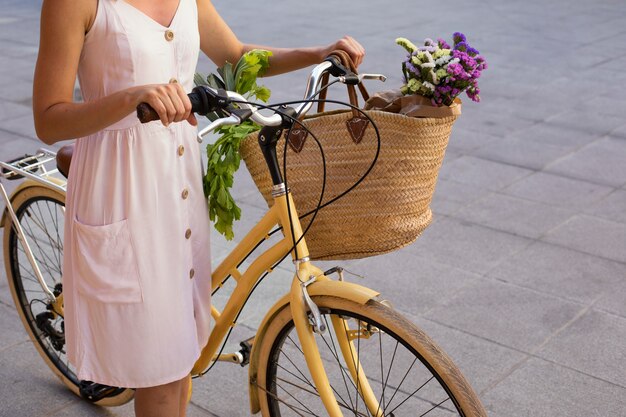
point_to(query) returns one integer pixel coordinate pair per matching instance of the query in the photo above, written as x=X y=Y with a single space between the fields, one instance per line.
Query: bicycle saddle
x=64 y=159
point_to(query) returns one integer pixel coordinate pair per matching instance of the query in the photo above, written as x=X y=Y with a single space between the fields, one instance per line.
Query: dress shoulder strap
x=97 y=21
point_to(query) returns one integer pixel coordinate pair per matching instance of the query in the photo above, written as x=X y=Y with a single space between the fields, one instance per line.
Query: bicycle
x=326 y=347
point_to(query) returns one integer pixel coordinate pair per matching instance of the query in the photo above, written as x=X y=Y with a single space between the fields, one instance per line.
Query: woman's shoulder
x=83 y=11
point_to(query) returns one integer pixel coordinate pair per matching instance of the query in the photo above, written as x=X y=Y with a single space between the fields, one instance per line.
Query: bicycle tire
x=40 y=211
x=285 y=388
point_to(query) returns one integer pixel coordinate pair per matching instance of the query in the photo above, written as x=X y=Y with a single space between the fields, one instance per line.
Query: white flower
x=428 y=65
x=443 y=60
x=428 y=85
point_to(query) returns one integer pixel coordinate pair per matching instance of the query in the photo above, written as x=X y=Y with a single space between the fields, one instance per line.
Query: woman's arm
x=220 y=44
x=63 y=27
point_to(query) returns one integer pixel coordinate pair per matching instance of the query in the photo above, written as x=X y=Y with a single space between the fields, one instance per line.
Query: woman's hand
x=349 y=45
x=169 y=101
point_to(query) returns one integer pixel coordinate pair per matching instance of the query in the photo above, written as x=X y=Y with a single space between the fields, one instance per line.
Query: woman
x=136 y=265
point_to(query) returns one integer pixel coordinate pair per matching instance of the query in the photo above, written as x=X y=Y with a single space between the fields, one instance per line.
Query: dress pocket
x=106 y=263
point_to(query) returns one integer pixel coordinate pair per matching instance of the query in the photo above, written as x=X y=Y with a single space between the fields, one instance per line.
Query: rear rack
x=40 y=167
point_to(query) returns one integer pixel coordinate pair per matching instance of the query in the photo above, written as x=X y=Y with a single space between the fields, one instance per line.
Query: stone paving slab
x=482 y=173
x=466 y=141
x=22 y=125
x=561 y=272
x=467 y=246
x=514 y=317
x=561 y=136
x=515 y=215
x=10 y=110
x=613 y=300
x=619 y=133
x=592 y=235
x=28 y=387
x=522 y=153
x=12 y=331
x=476 y=356
x=451 y=196
x=19 y=91
x=601 y=162
x=416 y=287
x=559 y=191
x=82 y=408
x=543 y=389
x=592 y=345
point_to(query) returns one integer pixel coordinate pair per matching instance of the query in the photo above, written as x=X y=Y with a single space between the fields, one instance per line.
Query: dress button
x=181 y=150
x=191 y=273
x=185 y=194
x=188 y=234
x=169 y=35
x=173 y=81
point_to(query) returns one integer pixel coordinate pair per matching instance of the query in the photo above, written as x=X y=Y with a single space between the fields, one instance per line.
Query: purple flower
x=454 y=69
x=465 y=60
x=443 y=44
x=472 y=52
x=411 y=67
x=461 y=46
x=458 y=37
x=473 y=94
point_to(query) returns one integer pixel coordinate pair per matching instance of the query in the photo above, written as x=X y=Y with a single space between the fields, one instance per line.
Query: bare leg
x=159 y=401
x=184 y=394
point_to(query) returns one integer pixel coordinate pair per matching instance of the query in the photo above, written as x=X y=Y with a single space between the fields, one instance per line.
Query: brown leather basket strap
x=346 y=61
x=356 y=125
x=322 y=95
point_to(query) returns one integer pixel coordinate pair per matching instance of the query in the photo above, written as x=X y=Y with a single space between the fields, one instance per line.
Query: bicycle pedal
x=246 y=348
x=94 y=392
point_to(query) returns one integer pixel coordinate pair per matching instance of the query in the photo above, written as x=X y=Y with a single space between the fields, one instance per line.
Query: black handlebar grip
x=145 y=112
x=337 y=70
x=196 y=102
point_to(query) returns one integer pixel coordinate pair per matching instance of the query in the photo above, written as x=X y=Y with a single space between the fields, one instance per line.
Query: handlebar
x=206 y=100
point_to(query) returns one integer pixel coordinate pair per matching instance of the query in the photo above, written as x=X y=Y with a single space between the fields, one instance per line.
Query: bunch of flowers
x=441 y=72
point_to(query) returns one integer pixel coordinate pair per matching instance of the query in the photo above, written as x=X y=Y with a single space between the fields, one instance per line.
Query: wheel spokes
x=42 y=221
x=390 y=367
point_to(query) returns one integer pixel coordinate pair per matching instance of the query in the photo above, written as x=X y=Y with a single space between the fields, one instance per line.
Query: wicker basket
x=389 y=209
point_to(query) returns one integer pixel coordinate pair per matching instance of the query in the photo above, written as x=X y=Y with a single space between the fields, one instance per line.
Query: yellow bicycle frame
x=224 y=320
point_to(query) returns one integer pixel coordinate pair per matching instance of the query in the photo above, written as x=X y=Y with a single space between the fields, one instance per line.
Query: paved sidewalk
x=522 y=277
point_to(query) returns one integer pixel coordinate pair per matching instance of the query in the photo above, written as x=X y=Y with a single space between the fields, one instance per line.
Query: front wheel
x=40 y=211
x=407 y=374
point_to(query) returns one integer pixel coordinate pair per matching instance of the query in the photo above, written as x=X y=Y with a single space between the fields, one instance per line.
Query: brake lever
x=353 y=79
x=379 y=77
x=237 y=116
x=233 y=119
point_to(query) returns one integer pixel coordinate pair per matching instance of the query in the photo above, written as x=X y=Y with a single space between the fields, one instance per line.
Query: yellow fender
x=323 y=286
x=24 y=184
